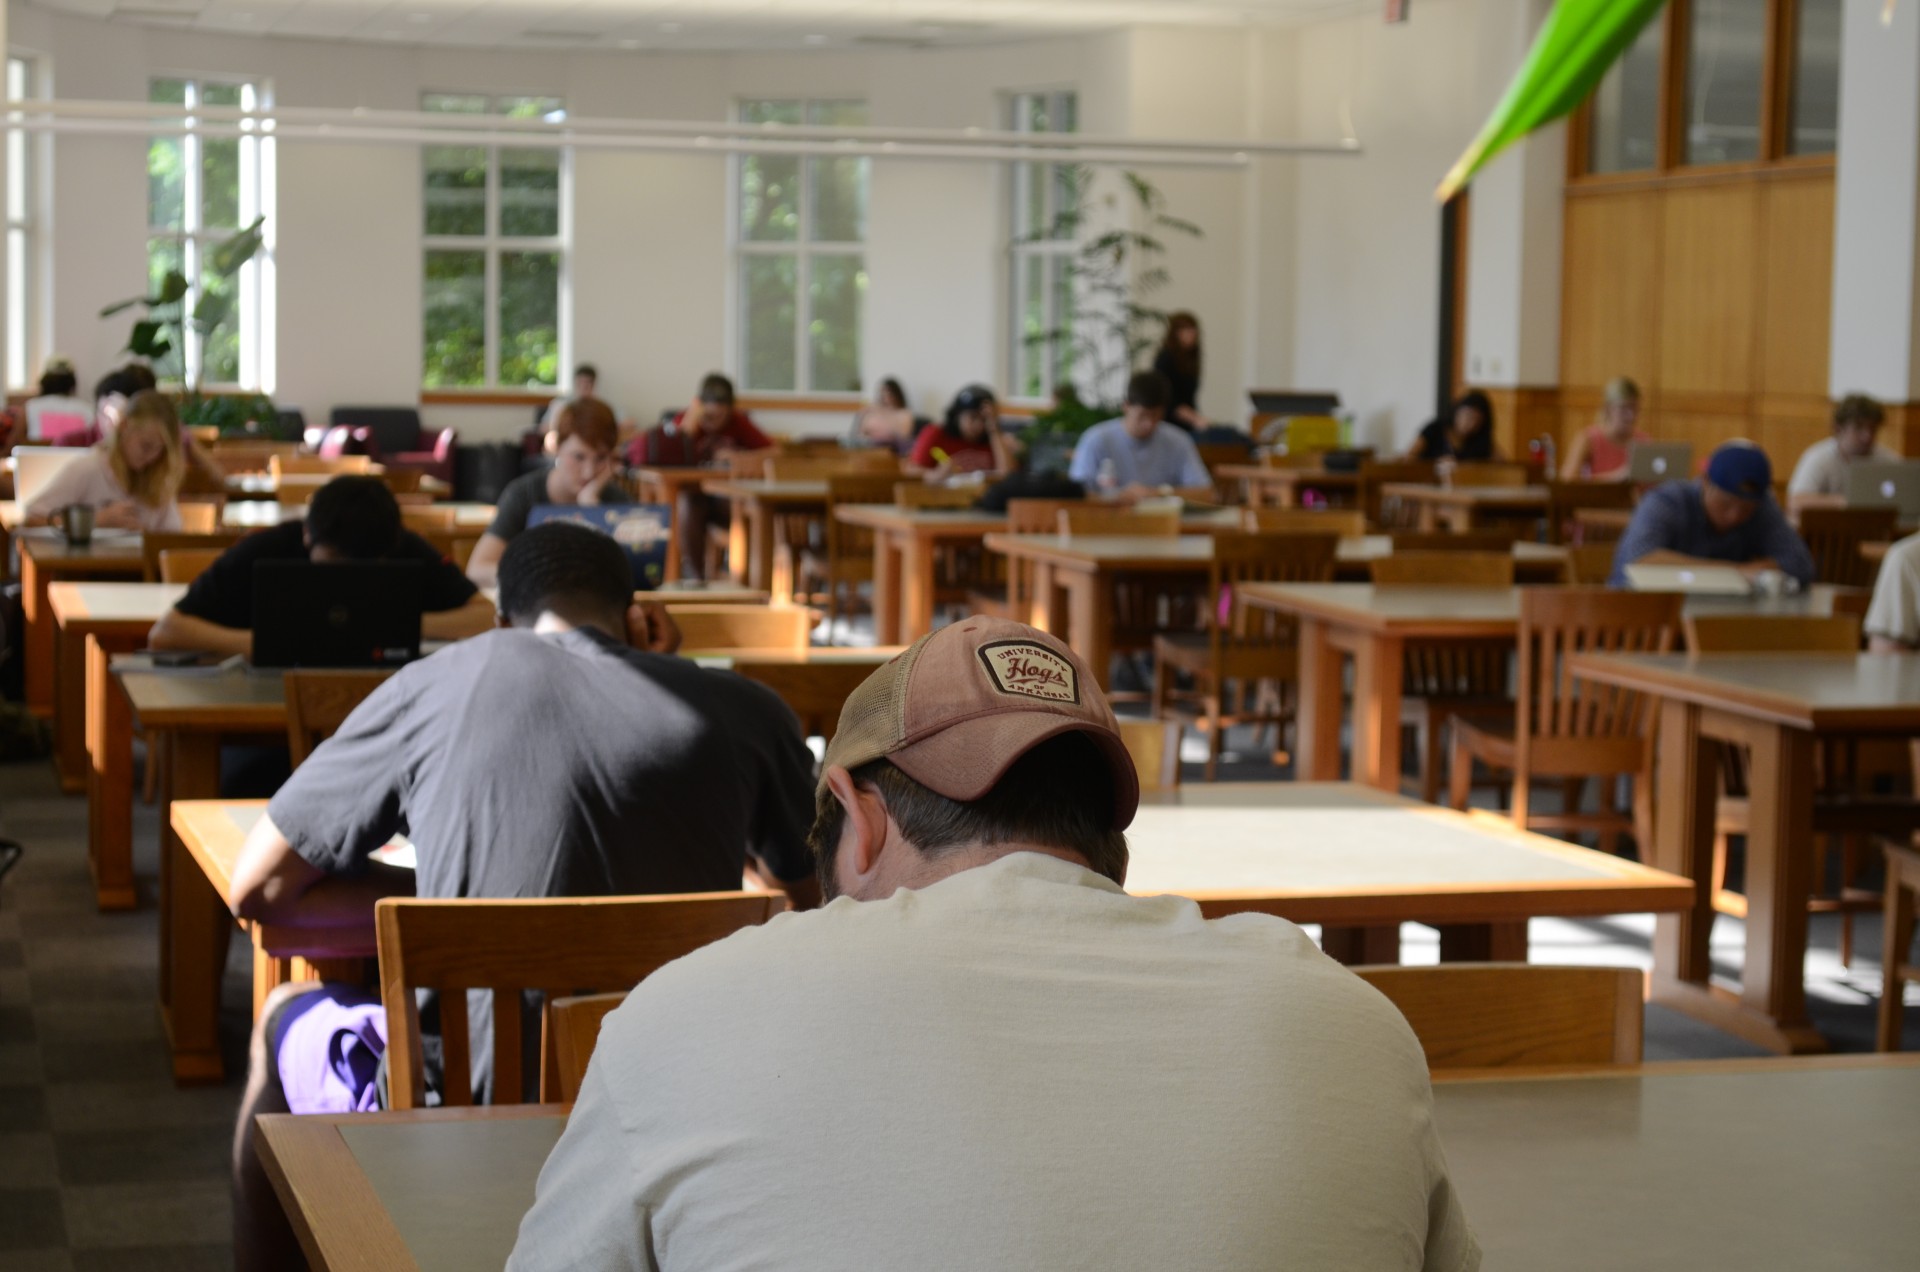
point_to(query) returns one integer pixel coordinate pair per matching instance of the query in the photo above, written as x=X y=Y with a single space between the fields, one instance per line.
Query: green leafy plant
x=162 y=330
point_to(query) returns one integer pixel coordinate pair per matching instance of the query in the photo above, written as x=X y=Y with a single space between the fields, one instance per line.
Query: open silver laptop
x=1695 y=580
x=1650 y=462
x=1885 y=483
x=34 y=467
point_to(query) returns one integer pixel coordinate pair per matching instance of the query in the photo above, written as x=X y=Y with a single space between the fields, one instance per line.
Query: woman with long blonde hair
x=131 y=480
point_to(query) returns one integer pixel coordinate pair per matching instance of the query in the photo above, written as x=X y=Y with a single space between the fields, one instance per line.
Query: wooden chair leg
x=1897 y=933
x=1213 y=731
x=1429 y=746
x=1459 y=771
x=1161 y=679
x=1849 y=867
x=1643 y=815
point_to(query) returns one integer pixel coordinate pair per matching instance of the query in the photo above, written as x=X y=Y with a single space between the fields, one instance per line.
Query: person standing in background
x=1179 y=361
x=1602 y=452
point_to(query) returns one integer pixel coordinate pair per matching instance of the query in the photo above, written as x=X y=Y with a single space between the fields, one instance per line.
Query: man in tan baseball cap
x=985 y=1053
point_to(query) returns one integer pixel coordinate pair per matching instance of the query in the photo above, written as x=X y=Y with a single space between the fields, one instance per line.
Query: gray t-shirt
x=519 y=497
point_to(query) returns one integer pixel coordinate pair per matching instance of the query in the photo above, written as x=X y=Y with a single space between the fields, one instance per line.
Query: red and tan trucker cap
x=959 y=706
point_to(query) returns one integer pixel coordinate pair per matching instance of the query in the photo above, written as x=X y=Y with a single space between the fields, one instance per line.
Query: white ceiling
x=691 y=24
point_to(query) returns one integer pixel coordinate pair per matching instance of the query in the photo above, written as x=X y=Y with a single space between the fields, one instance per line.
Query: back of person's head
x=986 y=732
x=140 y=375
x=356 y=517
x=590 y=420
x=1622 y=391
x=972 y=398
x=118 y=382
x=1149 y=389
x=717 y=388
x=57 y=378
x=1857 y=410
x=570 y=571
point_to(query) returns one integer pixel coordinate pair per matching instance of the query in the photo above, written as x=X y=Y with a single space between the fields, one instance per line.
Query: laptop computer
x=1695 y=580
x=1650 y=462
x=345 y=614
x=1885 y=483
x=1293 y=402
x=34 y=467
x=642 y=529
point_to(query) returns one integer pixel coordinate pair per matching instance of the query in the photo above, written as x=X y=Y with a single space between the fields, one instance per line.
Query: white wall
x=1314 y=272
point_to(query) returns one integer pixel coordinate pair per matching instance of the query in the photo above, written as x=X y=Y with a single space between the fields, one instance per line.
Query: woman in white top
x=131 y=479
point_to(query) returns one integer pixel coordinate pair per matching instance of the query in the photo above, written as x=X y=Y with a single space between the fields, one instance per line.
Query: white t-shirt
x=1017 y=1067
x=39 y=408
x=88 y=479
x=1822 y=469
x=1895 y=609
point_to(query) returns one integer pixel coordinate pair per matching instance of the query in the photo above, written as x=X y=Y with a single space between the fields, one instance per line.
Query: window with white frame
x=800 y=251
x=495 y=261
x=23 y=256
x=1043 y=243
x=202 y=188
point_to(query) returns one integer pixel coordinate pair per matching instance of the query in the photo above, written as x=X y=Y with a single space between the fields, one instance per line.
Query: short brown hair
x=1058 y=795
x=590 y=420
x=1858 y=409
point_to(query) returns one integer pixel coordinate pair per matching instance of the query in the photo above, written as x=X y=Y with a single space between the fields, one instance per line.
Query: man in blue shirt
x=1137 y=454
x=1728 y=517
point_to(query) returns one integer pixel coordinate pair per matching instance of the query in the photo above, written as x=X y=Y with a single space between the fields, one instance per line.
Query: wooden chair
x=1896 y=958
x=1091 y=518
x=319 y=702
x=748 y=465
x=1453 y=541
x=809 y=446
x=555 y=947
x=1243 y=646
x=1498 y=1015
x=574 y=1025
x=184 y=565
x=1456 y=569
x=1590 y=564
x=1565 y=499
x=713 y=627
x=1155 y=748
x=1375 y=474
x=1483 y=475
x=1837 y=761
x=154 y=542
x=821 y=467
x=845 y=560
x=1443 y=680
x=1014 y=601
x=921 y=494
x=422 y=517
x=455 y=545
x=201 y=516
x=314 y=466
x=1601 y=525
x=1573 y=729
x=1216 y=455
x=1834 y=536
x=1340 y=521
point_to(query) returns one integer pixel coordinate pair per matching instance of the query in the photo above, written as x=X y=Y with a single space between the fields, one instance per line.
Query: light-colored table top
x=974 y=521
x=1487 y=611
x=1335 y=852
x=221 y=696
x=1809 y=691
x=1713 y=1167
x=109 y=550
x=1196 y=550
x=250 y=514
x=83 y=605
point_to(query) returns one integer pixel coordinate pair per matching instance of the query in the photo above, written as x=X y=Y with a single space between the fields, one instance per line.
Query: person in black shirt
x=1465 y=432
x=1179 y=361
x=350 y=519
x=569 y=754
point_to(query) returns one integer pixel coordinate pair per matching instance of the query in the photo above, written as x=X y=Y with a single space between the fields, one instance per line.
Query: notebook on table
x=341 y=614
x=1885 y=483
x=1695 y=580
x=1651 y=462
x=642 y=529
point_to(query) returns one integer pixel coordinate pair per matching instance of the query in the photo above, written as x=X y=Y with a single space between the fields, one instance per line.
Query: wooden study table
x=1778 y=707
x=1282 y=486
x=1374 y=625
x=113 y=618
x=658 y=485
x=1462 y=508
x=47 y=558
x=757 y=506
x=815 y=682
x=1711 y=1166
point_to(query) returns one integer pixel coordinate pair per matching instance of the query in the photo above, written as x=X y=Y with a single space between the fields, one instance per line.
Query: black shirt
x=1436 y=442
x=224 y=593
x=528 y=491
x=1186 y=387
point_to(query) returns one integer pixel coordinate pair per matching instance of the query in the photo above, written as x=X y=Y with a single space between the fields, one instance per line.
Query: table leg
x=738 y=563
x=1048 y=614
x=38 y=650
x=1376 y=711
x=1779 y=876
x=195 y=924
x=655 y=492
x=915 y=560
x=760 y=549
x=1090 y=621
x=109 y=784
x=888 y=619
x=1359 y=946
x=1316 y=748
x=70 y=709
x=1483 y=942
x=1688 y=771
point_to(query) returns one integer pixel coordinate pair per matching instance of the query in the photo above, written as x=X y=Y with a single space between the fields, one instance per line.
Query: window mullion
x=491 y=288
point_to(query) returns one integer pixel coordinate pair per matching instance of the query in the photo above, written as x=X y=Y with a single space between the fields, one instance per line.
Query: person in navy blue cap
x=1727 y=517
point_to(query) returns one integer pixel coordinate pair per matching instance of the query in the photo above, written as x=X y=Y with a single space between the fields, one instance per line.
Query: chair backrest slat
x=573 y=1026
x=184 y=565
x=1834 y=536
x=1155 y=750
x=1456 y=569
x=1495 y=1015
x=1558 y=622
x=319 y=702
x=921 y=494
x=154 y=542
x=1036 y=516
x=1785 y=633
x=722 y=627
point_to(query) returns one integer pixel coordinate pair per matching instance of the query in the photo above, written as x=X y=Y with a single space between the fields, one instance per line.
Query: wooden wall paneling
x=1522 y=413
x=1709 y=288
x=1796 y=311
x=1610 y=317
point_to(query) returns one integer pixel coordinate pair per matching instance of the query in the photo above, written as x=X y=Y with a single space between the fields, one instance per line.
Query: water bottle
x=1108 y=478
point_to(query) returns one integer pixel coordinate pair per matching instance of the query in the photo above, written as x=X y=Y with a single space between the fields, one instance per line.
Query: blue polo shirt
x=1165 y=457
x=1674 y=517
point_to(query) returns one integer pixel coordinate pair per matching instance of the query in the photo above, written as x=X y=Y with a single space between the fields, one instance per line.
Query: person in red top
x=704 y=434
x=968 y=440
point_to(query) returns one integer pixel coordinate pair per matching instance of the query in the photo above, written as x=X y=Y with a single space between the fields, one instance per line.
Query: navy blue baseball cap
x=1741 y=469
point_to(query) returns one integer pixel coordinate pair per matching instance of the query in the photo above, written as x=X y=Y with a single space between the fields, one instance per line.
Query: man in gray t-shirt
x=570 y=755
